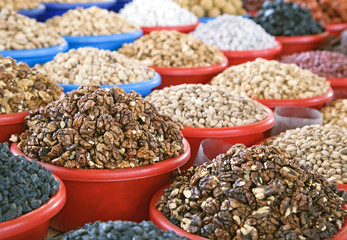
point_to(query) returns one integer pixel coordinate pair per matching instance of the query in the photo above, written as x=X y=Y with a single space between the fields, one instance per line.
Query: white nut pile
x=236 y=33
x=157 y=13
x=213 y=8
x=172 y=49
x=336 y=113
x=323 y=147
x=264 y=79
x=91 y=21
x=206 y=106
x=91 y=65
x=19 y=32
x=19 y=4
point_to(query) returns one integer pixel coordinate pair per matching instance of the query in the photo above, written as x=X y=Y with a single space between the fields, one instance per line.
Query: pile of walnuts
x=99 y=128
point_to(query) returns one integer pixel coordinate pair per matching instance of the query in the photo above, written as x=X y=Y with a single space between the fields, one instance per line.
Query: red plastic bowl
x=182 y=29
x=34 y=225
x=246 y=134
x=11 y=123
x=335 y=29
x=161 y=221
x=315 y=102
x=239 y=57
x=105 y=194
x=293 y=44
x=340 y=87
x=175 y=76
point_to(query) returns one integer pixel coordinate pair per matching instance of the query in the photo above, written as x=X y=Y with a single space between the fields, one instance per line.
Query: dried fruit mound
x=98 y=128
x=254 y=193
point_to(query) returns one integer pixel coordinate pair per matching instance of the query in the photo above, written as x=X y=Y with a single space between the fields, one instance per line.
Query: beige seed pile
x=198 y=105
x=19 y=4
x=91 y=21
x=323 y=147
x=213 y=8
x=336 y=113
x=92 y=65
x=264 y=79
x=20 y=32
x=172 y=49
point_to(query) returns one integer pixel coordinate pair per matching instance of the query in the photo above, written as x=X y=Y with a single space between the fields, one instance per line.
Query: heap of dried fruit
x=100 y=128
x=23 y=88
x=254 y=193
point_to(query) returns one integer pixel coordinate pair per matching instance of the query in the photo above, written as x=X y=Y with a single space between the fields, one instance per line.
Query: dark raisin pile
x=287 y=19
x=24 y=185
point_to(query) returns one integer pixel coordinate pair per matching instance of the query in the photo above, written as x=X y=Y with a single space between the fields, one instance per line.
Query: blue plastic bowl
x=58 y=9
x=108 y=42
x=33 y=13
x=35 y=56
x=144 y=88
x=119 y=5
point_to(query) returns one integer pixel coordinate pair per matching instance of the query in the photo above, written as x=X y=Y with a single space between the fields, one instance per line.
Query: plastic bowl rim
x=36 y=52
x=335 y=26
x=42 y=214
x=237 y=131
x=148 y=84
x=194 y=71
x=103 y=38
x=304 y=102
x=12 y=118
x=147 y=29
x=40 y=9
x=253 y=53
x=303 y=38
x=162 y=222
x=57 y=6
x=112 y=175
x=338 y=82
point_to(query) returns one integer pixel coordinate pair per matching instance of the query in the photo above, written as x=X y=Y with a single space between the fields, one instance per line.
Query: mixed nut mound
x=97 y=66
x=172 y=49
x=19 y=4
x=254 y=193
x=18 y=32
x=270 y=79
x=99 y=128
x=323 y=148
x=23 y=88
x=91 y=21
x=336 y=113
x=206 y=106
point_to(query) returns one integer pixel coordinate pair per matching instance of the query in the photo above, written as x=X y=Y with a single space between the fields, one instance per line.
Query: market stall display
x=212 y=112
x=103 y=67
x=240 y=39
x=94 y=27
x=27 y=40
x=276 y=84
x=22 y=89
x=257 y=192
x=292 y=25
x=30 y=196
x=104 y=144
x=177 y=57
